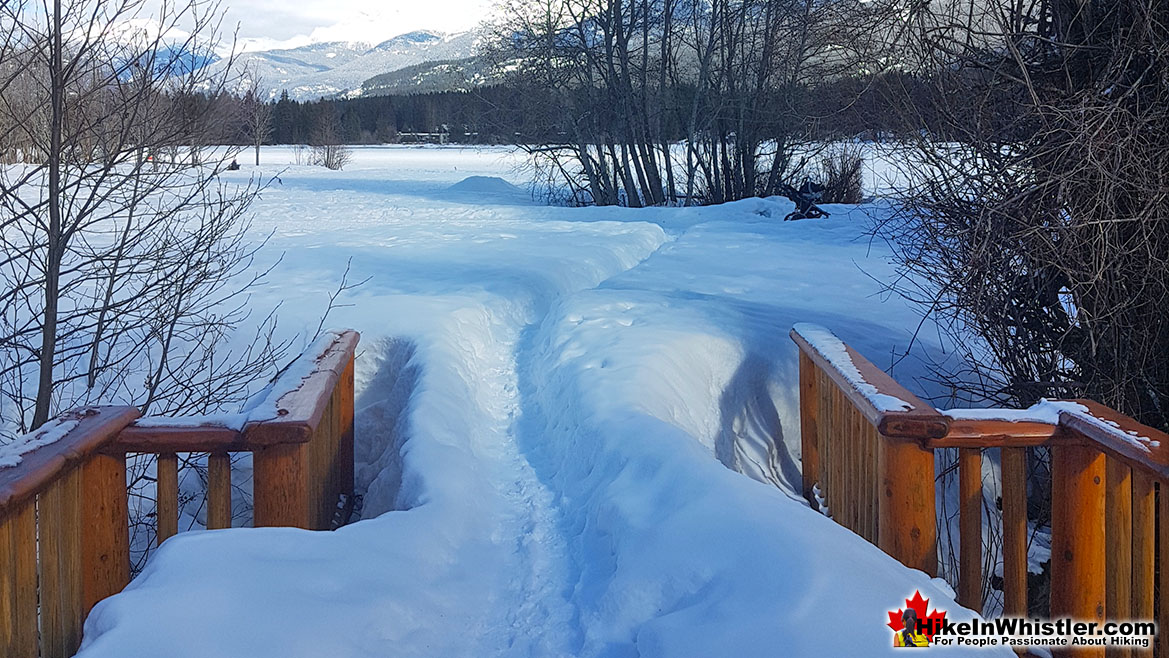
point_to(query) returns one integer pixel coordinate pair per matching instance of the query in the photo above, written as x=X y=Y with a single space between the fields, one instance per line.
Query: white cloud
x=265 y=24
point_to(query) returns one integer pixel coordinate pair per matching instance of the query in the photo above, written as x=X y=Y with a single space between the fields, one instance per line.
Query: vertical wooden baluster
x=1118 y=545
x=1163 y=568
x=105 y=556
x=1077 y=553
x=218 y=491
x=1144 y=537
x=325 y=456
x=908 y=516
x=71 y=541
x=1014 y=497
x=167 y=496
x=854 y=478
x=870 y=487
x=970 y=528
x=61 y=600
x=18 y=583
x=874 y=484
x=823 y=452
x=836 y=502
x=8 y=602
x=829 y=455
x=859 y=426
x=846 y=462
x=346 y=410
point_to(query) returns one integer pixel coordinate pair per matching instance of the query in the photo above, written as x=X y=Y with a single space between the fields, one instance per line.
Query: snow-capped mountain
x=338 y=68
x=427 y=77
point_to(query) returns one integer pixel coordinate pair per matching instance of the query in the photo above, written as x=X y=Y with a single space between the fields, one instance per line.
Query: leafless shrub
x=639 y=103
x=327 y=149
x=841 y=173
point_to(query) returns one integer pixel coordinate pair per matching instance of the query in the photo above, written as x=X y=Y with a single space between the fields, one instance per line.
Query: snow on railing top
x=266 y=405
x=49 y=433
x=1062 y=412
x=837 y=354
x=1099 y=426
x=889 y=406
x=1045 y=411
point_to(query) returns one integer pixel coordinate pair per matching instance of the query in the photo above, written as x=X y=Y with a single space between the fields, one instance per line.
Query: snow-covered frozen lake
x=577 y=432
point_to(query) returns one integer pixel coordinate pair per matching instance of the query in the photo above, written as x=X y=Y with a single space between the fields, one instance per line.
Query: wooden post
x=18 y=583
x=1077 y=547
x=1118 y=546
x=970 y=528
x=1014 y=496
x=1144 y=538
x=105 y=538
x=166 y=504
x=218 y=491
x=908 y=519
x=280 y=477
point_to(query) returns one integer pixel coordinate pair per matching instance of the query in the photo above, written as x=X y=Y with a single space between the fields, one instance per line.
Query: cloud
x=265 y=24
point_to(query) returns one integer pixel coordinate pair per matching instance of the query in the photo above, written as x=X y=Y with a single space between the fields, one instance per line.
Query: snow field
x=577 y=434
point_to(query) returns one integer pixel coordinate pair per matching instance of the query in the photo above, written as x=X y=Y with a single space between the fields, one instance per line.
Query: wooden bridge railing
x=64 y=508
x=868 y=456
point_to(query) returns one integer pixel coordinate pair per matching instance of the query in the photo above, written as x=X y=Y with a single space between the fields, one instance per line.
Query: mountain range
x=339 y=68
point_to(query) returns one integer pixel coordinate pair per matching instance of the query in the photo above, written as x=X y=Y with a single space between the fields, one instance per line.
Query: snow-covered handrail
x=892 y=409
x=1061 y=422
x=64 y=507
x=1106 y=468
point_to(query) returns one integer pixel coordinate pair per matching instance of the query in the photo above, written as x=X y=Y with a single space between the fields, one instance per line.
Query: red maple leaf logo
x=929 y=624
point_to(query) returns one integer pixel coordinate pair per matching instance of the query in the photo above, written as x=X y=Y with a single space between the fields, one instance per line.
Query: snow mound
x=488 y=185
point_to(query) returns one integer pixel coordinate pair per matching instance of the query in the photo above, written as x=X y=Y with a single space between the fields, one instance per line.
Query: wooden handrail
x=1107 y=470
x=1116 y=434
x=64 y=517
x=92 y=428
x=292 y=415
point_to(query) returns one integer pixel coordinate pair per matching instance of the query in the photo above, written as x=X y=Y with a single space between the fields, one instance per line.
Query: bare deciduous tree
x=124 y=257
x=257 y=114
x=328 y=149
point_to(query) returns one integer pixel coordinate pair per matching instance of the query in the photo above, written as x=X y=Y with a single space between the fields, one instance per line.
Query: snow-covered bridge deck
x=576 y=433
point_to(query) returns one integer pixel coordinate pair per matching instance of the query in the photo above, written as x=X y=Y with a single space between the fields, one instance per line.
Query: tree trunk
x=55 y=239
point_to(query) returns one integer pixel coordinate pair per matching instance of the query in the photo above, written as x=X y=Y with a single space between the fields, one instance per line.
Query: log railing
x=861 y=438
x=64 y=508
x=868 y=459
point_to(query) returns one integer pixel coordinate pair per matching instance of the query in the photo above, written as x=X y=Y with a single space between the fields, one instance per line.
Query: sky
x=266 y=24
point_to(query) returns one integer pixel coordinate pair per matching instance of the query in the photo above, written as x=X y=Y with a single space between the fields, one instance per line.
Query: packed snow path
x=565 y=424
